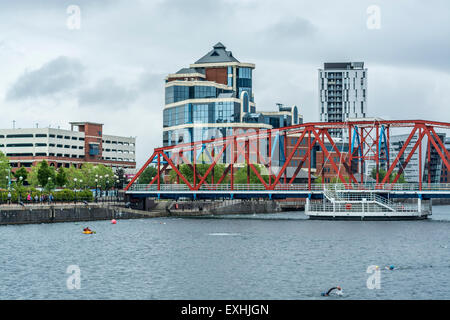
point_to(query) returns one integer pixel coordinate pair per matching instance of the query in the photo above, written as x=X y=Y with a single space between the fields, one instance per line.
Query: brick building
x=83 y=143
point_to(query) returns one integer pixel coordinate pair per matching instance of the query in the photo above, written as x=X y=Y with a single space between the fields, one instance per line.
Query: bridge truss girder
x=267 y=149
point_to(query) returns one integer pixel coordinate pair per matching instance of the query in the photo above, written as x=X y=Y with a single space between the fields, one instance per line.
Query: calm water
x=276 y=256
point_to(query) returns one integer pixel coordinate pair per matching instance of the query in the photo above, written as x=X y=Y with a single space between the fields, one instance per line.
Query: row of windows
x=178 y=136
x=39 y=135
x=43 y=154
x=340 y=74
x=215 y=112
x=118 y=142
x=117 y=159
x=245 y=73
x=119 y=151
x=278 y=121
x=180 y=93
x=22 y=145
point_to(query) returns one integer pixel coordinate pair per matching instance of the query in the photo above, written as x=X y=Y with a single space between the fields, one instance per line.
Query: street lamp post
x=18 y=191
x=75 y=189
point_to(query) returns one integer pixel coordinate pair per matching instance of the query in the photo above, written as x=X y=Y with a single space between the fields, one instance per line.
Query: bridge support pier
x=363 y=204
x=419 y=203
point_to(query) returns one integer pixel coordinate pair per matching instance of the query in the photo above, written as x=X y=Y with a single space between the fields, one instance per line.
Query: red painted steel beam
x=287 y=161
x=325 y=151
x=446 y=158
x=251 y=166
x=321 y=125
x=174 y=167
x=211 y=167
x=397 y=158
x=341 y=160
x=430 y=137
x=136 y=176
x=307 y=155
x=411 y=153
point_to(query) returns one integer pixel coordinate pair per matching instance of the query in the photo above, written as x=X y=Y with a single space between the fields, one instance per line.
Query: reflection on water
x=272 y=256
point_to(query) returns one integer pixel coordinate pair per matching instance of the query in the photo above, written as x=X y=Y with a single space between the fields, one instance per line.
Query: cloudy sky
x=112 y=68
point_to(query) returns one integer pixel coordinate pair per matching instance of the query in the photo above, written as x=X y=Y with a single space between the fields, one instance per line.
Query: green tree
x=241 y=175
x=72 y=174
x=382 y=173
x=104 y=175
x=22 y=172
x=120 y=173
x=45 y=173
x=61 y=177
x=188 y=172
x=4 y=170
x=147 y=175
x=338 y=180
x=32 y=176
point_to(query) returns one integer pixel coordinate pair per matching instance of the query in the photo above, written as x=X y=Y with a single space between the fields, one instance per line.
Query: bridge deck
x=288 y=191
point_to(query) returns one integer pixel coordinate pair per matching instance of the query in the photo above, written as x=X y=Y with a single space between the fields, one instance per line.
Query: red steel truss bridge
x=291 y=162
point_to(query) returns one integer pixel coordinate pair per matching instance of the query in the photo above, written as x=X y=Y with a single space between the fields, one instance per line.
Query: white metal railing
x=338 y=187
x=358 y=207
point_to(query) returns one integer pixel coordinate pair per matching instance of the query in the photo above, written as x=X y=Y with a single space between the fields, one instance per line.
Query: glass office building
x=214 y=98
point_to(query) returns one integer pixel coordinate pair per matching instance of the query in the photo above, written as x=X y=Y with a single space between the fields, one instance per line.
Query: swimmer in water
x=391 y=267
x=338 y=292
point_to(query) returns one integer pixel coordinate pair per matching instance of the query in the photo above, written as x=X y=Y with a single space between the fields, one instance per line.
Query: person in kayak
x=338 y=292
x=87 y=229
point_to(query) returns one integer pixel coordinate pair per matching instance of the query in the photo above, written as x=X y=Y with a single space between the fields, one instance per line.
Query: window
x=19 y=136
x=41 y=135
x=59 y=137
x=66 y=146
x=51 y=135
x=40 y=144
x=74 y=138
x=67 y=137
x=14 y=145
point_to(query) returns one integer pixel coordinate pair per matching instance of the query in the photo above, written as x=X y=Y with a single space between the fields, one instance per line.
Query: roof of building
x=83 y=123
x=218 y=54
x=190 y=70
x=343 y=65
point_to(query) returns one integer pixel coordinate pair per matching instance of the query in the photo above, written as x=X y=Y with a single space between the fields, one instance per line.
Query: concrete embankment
x=198 y=208
x=69 y=213
x=15 y=214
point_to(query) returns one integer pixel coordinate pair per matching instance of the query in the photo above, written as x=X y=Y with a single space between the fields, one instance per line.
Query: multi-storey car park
x=65 y=148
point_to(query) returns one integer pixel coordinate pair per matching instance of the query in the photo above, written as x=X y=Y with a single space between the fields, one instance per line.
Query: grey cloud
x=60 y=75
x=151 y=82
x=290 y=29
x=107 y=93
